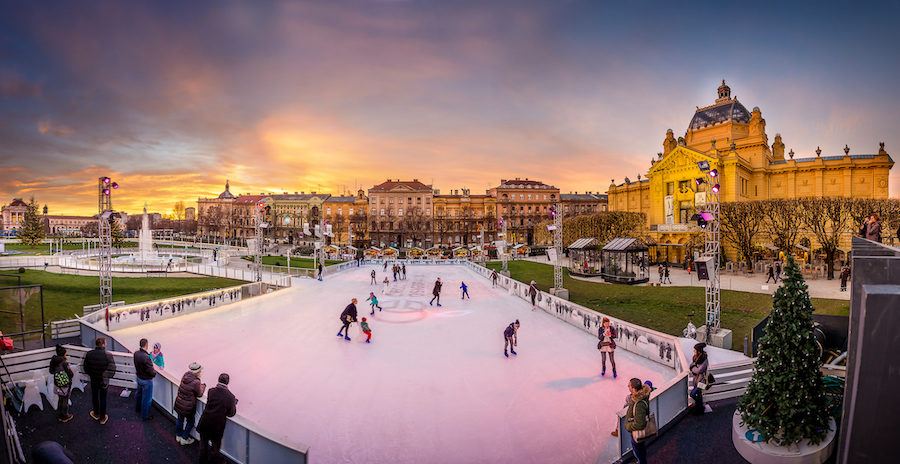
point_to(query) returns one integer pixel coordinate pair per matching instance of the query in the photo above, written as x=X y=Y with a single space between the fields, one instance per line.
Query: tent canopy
x=583 y=244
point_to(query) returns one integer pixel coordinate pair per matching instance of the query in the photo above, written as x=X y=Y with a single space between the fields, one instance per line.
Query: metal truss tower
x=105 y=216
x=712 y=248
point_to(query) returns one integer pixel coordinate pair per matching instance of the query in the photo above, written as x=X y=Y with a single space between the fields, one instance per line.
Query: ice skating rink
x=433 y=387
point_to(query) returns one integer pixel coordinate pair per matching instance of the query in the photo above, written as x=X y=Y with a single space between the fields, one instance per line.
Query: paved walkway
x=756 y=283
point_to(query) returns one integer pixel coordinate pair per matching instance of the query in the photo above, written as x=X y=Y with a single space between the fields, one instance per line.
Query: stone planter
x=751 y=447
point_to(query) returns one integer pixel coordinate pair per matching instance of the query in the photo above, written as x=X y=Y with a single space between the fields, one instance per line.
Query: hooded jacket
x=638 y=410
x=190 y=389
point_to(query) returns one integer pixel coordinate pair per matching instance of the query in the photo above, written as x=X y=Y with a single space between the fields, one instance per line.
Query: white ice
x=433 y=387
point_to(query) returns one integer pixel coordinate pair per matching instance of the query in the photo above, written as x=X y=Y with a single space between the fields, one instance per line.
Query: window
x=351 y=211
x=745 y=186
x=683 y=186
x=670 y=188
x=529 y=196
x=382 y=211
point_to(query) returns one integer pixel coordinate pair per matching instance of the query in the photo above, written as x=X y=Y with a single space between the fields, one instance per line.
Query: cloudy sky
x=172 y=98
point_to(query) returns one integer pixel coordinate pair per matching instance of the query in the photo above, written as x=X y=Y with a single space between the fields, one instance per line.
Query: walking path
x=818 y=288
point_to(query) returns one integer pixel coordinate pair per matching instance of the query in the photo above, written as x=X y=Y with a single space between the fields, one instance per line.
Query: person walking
x=320 y=270
x=364 y=325
x=511 y=338
x=494 y=278
x=436 y=291
x=145 y=372
x=157 y=356
x=777 y=271
x=372 y=275
x=348 y=316
x=873 y=229
x=189 y=390
x=636 y=416
x=465 y=291
x=100 y=366
x=770 y=274
x=62 y=383
x=845 y=274
x=667 y=279
x=373 y=302
x=607 y=346
x=532 y=292
x=659 y=269
x=220 y=405
x=699 y=369
x=403 y=269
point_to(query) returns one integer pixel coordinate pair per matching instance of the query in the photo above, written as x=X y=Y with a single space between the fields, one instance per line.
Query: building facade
x=521 y=204
x=460 y=218
x=734 y=141
x=66 y=226
x=400 y=214
x=576 y=204
x=13 y=215
x=347 y=216
x=190 y=214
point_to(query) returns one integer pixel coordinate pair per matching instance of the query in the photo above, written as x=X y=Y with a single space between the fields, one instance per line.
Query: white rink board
x=433 y=387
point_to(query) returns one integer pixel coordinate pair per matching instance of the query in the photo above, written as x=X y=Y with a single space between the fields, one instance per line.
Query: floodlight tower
x=556 y=213
x=259 y=225
x=105 y=216
x=712 y=254
x=504 y=257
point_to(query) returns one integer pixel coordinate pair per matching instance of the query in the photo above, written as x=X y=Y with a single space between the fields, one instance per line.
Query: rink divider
x=244 y=442
x=668 y=402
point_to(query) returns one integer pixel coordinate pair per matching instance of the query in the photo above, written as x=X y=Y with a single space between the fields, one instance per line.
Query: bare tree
x=781 y=222
x=741 y=224
x=178 y=210
x=827 y=218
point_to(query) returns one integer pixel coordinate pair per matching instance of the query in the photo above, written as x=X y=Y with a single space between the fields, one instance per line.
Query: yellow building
x=734 y=141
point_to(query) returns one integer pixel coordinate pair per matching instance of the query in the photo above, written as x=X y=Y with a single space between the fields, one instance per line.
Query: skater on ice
x=372 y=275
x=403 y=269
x=373 y=302
x=494 y=278
x=385 y=265
x=607 y=345
x=364 y=325
x=465 y=291
x=348 y=316
x=532 y=292
x=510 y=338
x=436 y=291
x=387 y=283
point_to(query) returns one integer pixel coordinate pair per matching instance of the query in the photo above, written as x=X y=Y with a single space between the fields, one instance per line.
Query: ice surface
x=433 y=387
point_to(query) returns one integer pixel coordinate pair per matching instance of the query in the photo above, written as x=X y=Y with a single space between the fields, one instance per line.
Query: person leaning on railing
x=99 y=366
x=636 y=417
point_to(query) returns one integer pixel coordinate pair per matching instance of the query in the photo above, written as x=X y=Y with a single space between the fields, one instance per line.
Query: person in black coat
x=220 y=405
x=62 y=388
x=99 y=366
x=348 y=316
x=145 y=372
x=436 y=292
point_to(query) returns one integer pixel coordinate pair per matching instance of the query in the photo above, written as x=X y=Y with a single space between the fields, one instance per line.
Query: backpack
x=61 y=379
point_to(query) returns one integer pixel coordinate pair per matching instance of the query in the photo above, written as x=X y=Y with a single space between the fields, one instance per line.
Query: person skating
x=770 y=274
x=62 y=383
x=387 y=283
x=189 y=390
x=373 y=302
x=348 y=316
x=532 y=292
x=436 y=291
x=465 y=291
x=364 y=325
x=494 y=278
x=220 y=404
x=510 y=338
x=372 y=275
x=636 y=416
x=145 y=372
x=100 y=366
x=607 y=345
x=320 y=270
x=394 y=271
x=403 y=270
x=385 y=265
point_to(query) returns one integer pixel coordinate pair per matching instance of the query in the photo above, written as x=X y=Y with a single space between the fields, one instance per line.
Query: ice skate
x=513 y=352
x=614 y=374
x=347 y=338
x=505 y=353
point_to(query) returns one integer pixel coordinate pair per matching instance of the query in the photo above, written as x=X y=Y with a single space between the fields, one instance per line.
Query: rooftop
x=398 y=185
x=524 y=184
x=589 y=196
x=725 y=109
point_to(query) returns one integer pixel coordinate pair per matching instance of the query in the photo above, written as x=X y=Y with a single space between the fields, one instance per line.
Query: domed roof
x=724 y=109
x=226 y=195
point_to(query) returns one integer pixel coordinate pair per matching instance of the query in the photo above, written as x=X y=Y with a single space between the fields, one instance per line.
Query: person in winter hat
x=190 y=389
x=157 y=356
x=220 y=405
x=62 y=382
x=348 y=316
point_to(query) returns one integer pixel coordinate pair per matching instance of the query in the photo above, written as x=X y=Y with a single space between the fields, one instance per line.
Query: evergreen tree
x=31 y=232
x=116 y=233
x=785 y=400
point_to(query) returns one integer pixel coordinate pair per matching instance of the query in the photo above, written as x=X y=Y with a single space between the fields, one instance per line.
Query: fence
x=244 y=442
x=669 y=401
x=249 y=275
x=731 y=379
x=64 y=329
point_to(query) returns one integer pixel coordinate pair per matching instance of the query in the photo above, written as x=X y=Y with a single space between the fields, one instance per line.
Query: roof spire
x=724 y=92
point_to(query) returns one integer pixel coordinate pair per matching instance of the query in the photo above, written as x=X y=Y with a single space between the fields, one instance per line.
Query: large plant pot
x=751 y=447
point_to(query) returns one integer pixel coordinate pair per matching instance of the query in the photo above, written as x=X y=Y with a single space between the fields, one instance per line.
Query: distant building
x=347 y=216
x=576 y=204
x=460 y=217
x=66 y=226
x=400 y=213
x=13 y=215
x=523 y=203
x=190 y=214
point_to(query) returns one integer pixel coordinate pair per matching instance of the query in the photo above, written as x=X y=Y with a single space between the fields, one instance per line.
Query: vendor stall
x=625 y=261
x=584 y=257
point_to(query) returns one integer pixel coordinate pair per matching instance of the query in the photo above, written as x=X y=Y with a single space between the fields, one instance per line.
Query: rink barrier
x=669 y=401
x=147 y=312
x=248 y=275
x=244 y=442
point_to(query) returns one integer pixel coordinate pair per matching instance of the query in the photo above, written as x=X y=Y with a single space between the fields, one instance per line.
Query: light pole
x=556 y=214
x=105 y=216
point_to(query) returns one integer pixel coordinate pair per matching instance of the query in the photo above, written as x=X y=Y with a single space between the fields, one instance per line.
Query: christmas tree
x=31 y=232
x=785 y=401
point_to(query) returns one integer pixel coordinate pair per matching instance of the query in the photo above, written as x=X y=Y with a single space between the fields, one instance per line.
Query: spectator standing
x=62 y=383
x=845 y=274
x=864 y=227
x=145 y=372
x=636 y=416
x=220 y=405
x=190 y=389
x=659 y=269
x=777 y=271
x=873 y=230
x=667 y=279
x=320 y=271
x=157 y=356
x=699 y=369
x=100 y=366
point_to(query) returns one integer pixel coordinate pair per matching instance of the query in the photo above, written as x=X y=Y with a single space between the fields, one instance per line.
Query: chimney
x=295 y=193
x=415 y=180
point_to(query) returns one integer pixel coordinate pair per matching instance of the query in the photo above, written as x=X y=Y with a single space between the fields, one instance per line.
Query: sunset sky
x=172 y=98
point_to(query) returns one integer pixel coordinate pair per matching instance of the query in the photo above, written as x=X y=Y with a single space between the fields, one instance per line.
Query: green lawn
x=295 y=262
x=65 y=295
x=664 y=309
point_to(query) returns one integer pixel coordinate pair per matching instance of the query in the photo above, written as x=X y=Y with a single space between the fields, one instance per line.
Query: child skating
x=364 y=325
x=387 y=283
x=373 y=278
x=465 y=291
x=510 y=338
x=373 y=302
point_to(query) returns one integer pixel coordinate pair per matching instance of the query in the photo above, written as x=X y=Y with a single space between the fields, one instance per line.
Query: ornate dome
x=226 y=195
x=725 y=109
